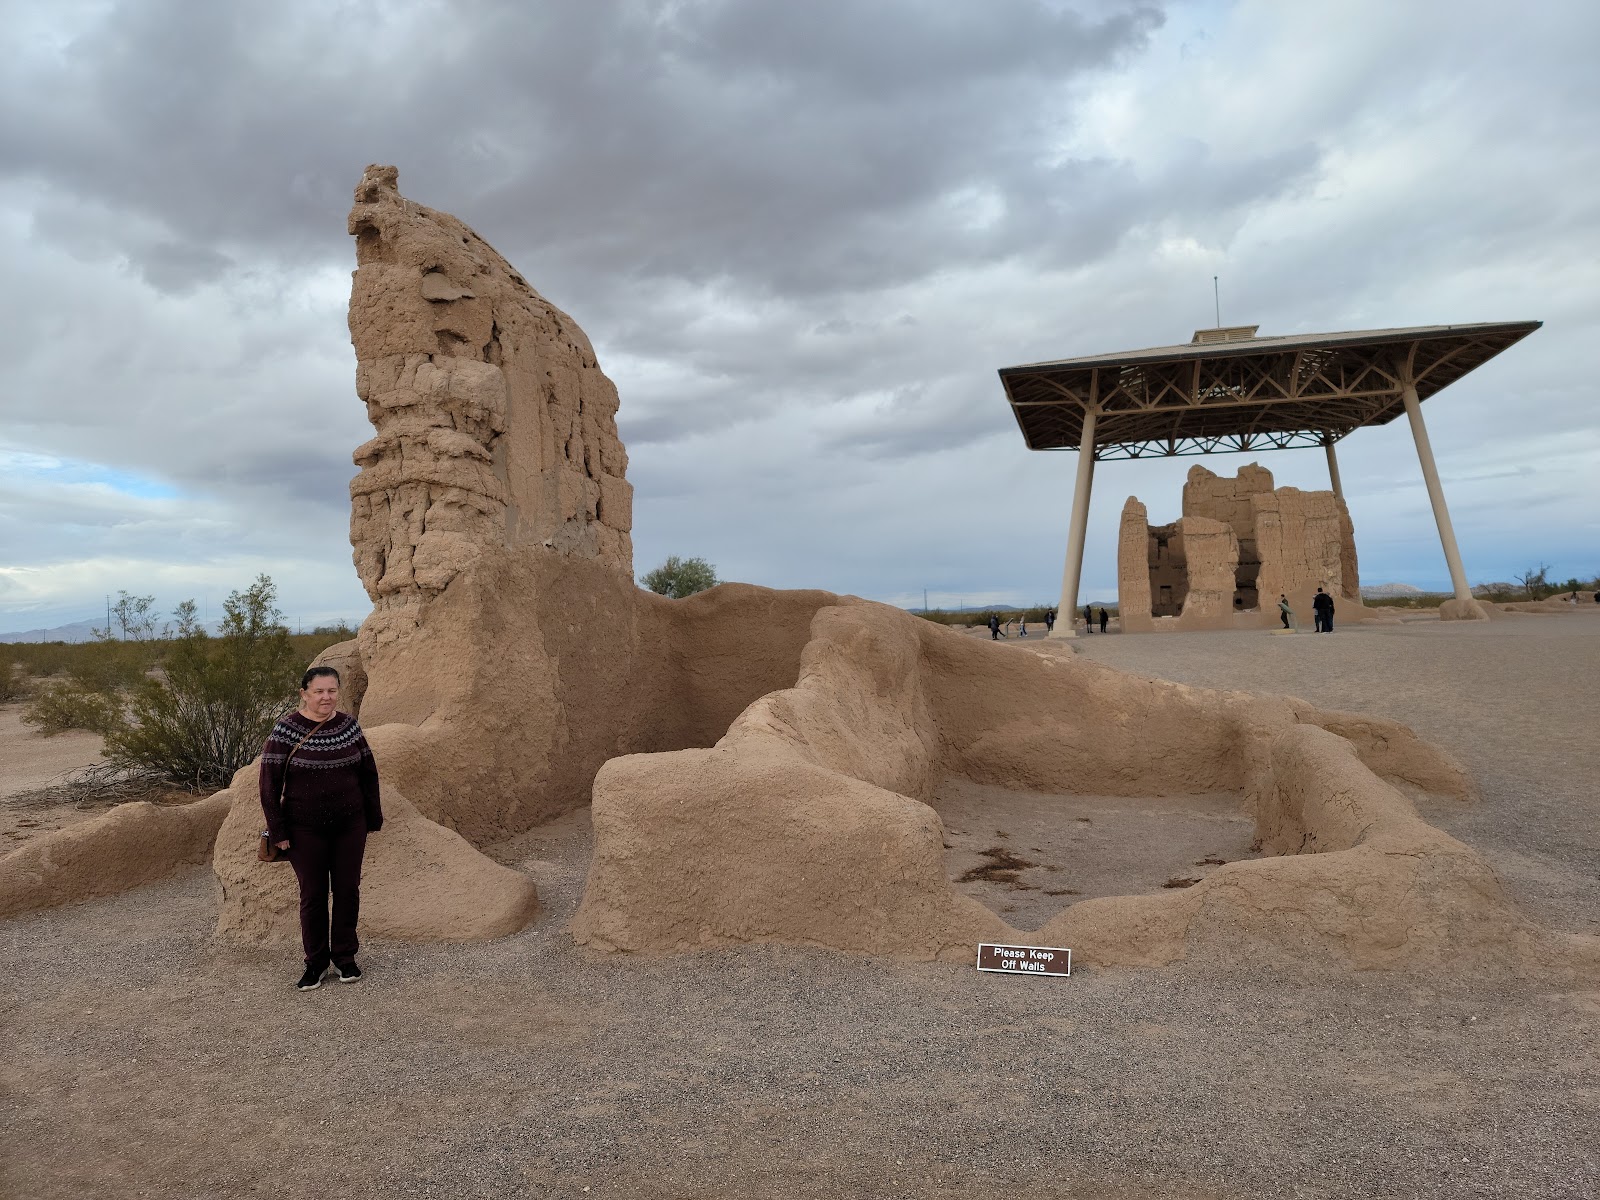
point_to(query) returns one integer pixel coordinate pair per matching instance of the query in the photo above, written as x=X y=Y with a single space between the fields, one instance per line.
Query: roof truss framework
x=1254 y=394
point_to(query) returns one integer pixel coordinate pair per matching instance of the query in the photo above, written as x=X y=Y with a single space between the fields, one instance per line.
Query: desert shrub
x=43 y=659
x=13 y=684
x=308 y=645
x=680 y=577
x=66 y=704
x=89 y=688
x=210 y=709
x=109 y=666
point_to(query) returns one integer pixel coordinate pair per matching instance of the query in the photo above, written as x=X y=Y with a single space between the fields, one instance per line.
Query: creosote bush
x=66 y=704
x=209 y=710
x=88 y=687
x=13 y=686
x=680 y=577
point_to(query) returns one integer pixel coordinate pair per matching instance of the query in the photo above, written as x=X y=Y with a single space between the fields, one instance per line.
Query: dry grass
x=1002 y=867
x=102 y=785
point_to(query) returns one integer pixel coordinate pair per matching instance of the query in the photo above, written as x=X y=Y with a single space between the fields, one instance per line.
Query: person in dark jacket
x=1088 y=619
x=1322 y=607
x=1104 y=617
x=994 y=627
x=317 y=759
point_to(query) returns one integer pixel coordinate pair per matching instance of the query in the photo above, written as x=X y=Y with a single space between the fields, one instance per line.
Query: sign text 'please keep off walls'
x=1025 y=960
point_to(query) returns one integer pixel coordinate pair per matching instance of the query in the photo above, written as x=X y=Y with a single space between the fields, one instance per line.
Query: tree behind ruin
x=680 y=577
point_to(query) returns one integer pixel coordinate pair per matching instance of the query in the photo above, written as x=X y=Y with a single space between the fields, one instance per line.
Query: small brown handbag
x=268 y=850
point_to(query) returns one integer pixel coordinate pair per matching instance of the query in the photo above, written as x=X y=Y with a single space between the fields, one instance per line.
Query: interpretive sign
x=1025 y=960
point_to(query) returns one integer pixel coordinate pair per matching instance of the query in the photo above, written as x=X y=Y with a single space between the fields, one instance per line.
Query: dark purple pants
x=325 y=856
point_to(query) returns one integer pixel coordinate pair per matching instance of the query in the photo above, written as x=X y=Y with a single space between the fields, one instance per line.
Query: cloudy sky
x=802 y=238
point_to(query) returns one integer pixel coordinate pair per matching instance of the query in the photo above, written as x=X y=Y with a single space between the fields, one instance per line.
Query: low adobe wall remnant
x=808 y=823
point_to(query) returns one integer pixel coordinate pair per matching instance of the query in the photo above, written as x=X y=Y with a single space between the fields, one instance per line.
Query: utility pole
x=924 y=599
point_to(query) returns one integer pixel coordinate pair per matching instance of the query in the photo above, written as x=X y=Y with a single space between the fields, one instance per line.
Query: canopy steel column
x=1066 y=613
x=1441 y=514
x=1333 y=466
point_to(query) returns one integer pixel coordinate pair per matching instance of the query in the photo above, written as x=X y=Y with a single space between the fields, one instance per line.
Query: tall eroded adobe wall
x=1226 y=498
x=495 y=425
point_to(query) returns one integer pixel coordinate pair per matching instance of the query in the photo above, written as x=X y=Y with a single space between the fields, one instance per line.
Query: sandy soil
x=30 y=763
x=141 y=1061
x=1029 y=855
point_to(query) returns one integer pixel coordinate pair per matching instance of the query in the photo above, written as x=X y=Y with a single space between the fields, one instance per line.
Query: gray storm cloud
x=802 y=238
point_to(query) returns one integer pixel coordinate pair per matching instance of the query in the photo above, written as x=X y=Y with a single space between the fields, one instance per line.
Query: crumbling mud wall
x=1134 y=594
x=510 y=653
x=1179 y=576
x=494 y=424
x=1286 y=542
x=806 y=822
x=132 y=844
x=1300 y=536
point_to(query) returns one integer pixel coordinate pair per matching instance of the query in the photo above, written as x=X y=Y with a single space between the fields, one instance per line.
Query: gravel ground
x=140 y=1061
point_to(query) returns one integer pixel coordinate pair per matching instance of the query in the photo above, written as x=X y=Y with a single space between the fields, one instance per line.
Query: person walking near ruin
x=1322 y=605
x=994 y=627
x=1103 y=619
x=1022 y=626
x=1049 y=621
x=1284 y=610
x=1088 y=619
x=319 y=793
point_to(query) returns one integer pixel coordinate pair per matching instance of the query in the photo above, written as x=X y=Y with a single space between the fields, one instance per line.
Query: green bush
x=308 y=645
x=44 y=659
x=13 y=684
x=98 y=675
x=108 y=666
x=680 y=577
x=216 y=698
x=66 y=704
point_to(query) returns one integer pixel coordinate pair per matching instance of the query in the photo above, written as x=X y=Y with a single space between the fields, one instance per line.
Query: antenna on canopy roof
x=1216 y=295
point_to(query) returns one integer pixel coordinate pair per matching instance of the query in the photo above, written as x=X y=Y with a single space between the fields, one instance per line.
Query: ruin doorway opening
x=1169 y=571
x=1245 y=595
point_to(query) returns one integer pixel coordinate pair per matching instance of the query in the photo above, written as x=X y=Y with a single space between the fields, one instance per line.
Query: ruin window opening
x=1169 y=571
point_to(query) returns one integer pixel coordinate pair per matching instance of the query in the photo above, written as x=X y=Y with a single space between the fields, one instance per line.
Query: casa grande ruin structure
x=1239 y=546
x=1229 y=390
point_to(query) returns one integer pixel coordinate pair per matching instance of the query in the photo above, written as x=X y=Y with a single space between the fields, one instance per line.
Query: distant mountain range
x=1385 y=591
x=78 y=631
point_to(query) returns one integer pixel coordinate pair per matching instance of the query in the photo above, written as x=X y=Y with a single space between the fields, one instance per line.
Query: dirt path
x=140 y=1061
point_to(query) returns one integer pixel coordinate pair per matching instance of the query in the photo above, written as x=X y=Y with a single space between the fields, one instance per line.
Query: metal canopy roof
x=1255 y=393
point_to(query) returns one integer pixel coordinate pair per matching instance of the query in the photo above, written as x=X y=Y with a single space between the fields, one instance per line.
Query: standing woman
x=318 y=761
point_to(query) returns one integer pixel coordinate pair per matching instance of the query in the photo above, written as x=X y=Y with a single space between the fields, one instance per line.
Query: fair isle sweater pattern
x=339 y=743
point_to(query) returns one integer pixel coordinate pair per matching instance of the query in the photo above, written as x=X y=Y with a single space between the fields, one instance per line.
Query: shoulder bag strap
x=284 y=788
